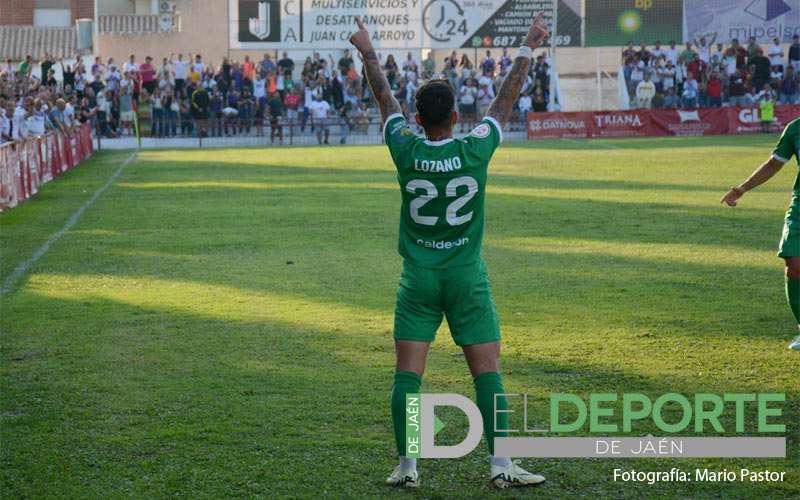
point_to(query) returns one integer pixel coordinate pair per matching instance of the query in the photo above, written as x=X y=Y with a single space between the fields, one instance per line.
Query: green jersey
x=788 y=146
x=443 y=187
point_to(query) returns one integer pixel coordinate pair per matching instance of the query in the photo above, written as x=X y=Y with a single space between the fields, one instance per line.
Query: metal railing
x=170 y=128
x=132 y=24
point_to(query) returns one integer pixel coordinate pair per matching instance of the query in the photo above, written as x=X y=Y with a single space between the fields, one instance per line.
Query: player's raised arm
x=762 y=174
x=375 y=77
x=500 y=109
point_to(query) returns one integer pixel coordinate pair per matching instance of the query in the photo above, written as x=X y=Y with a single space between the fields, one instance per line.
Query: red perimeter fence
x=655 y=122
x=26 y=165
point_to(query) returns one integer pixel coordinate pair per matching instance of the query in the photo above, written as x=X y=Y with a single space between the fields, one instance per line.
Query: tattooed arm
x=375 y=77
x=500 y=109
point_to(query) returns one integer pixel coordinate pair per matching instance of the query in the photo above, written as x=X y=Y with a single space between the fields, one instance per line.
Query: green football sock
x=404 y=383
x=793 y=296
x=488 y=384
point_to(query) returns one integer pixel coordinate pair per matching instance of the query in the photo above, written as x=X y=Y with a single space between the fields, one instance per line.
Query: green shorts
x=790 y=240
x=462 y=294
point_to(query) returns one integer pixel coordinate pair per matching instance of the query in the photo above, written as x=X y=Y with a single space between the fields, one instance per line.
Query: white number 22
x=451 y=191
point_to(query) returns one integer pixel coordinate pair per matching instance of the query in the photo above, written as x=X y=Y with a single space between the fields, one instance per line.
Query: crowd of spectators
x=187 y=96
x=704 y=74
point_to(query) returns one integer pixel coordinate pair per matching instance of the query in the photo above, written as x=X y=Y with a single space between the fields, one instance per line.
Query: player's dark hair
x=435 y=101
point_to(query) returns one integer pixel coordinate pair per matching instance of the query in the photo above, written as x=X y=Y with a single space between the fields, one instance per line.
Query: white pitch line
x=23 y=268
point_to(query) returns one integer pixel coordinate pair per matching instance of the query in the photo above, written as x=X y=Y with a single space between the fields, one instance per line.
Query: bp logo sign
x=259 y=21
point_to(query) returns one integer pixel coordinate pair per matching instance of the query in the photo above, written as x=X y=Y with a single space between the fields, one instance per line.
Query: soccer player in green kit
x=443 y=185
x=789 y=248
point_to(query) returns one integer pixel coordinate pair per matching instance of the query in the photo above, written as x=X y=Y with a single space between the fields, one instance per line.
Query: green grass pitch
x=218 y=323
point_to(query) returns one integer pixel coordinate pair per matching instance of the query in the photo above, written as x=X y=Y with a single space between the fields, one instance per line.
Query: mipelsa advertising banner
x=612 y=23
x=741 y=19
x=396 y=24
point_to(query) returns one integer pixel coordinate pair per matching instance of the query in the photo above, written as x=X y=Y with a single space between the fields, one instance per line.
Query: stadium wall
x=21 y=12
x=203 y=30
x=16 y=12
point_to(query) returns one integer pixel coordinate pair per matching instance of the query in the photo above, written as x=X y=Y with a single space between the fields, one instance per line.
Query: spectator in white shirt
x=485 y=96
x=525 y=107
x=198 y=66
x=80 y=80
x=411 y=92
x=10 y=71
x=130 y=66
x=69 y=113
x=98 y=70
x=775 y=53
x=776 y=76
x=320 y=110
x=655 y=74
x=704 y=47
x=645 y=92
x=114 y=78
x=672 y=53
x=657 y=51
x=260 y=92
x=18 y=128
x=165 y=74
x=690 y=88
x=409 y=62
x=5 y=126
x=466 y=102
x=126 y=82
x=181 y=73
x=637 y=75
x=667 y=74
x=37 y=118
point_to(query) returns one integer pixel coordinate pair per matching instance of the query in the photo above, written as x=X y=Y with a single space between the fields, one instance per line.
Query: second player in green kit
x=789 y=146
x=789 y=246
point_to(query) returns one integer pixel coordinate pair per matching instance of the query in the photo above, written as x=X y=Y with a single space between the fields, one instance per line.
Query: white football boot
x=514 y=475
x=403 y=478
x=795 y=344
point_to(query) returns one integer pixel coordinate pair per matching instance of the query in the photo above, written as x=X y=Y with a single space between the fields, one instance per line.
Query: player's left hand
x=732 y=196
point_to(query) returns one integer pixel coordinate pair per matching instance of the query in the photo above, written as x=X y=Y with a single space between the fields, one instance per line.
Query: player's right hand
x=732 y=196
x=538 y=32
x=360 y=39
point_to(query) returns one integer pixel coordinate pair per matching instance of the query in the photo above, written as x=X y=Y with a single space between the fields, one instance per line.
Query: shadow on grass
x=338 y=245
x=537 y=182
x=375 y=198
x=147 y=401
